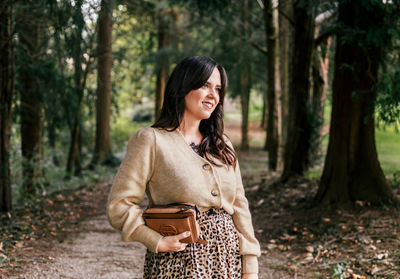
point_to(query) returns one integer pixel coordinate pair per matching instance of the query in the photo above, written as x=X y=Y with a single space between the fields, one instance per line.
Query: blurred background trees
x=79 y=77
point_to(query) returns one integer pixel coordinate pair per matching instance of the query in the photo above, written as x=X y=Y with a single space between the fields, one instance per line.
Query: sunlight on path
x=96 y=253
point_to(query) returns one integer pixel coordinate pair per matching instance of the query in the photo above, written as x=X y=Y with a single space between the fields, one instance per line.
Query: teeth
x=208 y=105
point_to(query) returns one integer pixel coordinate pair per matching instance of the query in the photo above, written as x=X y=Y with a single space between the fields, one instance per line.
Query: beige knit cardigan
x=162 y=165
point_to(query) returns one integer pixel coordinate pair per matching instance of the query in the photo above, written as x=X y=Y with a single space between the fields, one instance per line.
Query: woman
x=185 y=157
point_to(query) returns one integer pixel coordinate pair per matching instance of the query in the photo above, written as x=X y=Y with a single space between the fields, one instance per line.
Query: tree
x=274 y=120
x=30 y=28
x=286 y=49
x=6 y=96
x=102 y=150
x=352 y=170
x=299 y=127
x=245 y=81
x=320 y=64
x=162 y=64
x=81 y=53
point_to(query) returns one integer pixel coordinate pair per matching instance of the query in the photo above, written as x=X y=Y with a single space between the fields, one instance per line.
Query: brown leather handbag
x=173 y=219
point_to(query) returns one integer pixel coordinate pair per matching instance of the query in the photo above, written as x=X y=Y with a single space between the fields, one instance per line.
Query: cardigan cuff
x=148 y=237
x=249 y=264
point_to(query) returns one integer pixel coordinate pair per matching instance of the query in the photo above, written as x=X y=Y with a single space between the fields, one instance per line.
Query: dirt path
x=93 y=249
x=96 y=252
x=99 y=253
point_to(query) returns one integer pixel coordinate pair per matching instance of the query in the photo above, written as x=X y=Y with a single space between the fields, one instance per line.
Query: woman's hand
x=250 y=276
x=172 y=243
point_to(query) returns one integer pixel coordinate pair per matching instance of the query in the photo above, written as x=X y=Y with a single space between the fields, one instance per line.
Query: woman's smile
x=200 y=103
x=208 y=105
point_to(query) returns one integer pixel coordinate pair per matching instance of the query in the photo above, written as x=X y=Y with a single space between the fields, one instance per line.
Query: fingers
x=172 y=243
x=182 y=235
x=180 y=247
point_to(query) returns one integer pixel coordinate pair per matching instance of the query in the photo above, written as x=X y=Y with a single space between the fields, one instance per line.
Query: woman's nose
x=213 y=92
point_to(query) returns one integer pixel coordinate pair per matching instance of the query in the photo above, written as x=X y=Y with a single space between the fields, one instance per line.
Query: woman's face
x=200 y=103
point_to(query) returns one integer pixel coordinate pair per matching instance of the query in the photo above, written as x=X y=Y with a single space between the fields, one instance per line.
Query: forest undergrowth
x=297 y=238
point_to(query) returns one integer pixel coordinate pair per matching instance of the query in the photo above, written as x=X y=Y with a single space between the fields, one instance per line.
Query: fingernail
x=187 y=233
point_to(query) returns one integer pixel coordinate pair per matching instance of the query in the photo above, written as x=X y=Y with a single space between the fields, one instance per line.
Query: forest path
x=95 y=250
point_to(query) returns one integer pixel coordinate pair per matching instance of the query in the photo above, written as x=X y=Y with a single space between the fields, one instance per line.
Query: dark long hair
x=190 y=74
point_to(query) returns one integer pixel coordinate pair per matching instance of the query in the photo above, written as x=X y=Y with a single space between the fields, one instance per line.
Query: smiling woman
x=185 y=157
x=200 y=103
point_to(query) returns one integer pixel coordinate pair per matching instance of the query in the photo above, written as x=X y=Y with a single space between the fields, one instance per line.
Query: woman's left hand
x=250 y=276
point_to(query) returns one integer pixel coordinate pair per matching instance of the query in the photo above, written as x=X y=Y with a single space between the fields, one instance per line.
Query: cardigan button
x=214 y=192
x=206 y=167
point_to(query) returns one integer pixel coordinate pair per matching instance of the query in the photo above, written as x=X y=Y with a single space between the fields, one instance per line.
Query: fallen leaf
x=310 y=249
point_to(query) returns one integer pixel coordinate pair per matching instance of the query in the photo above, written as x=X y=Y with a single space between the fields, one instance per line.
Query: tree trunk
x=6 y=96
x=30 y=32
x=73 y=148
x=285 y=42
x=245 y=84
x=299 y=127
x=352 y=171
x=274 y=126
x=320 y=85
x=162 y=71
x=79 y=87
x=244 y=99
x=102 y=149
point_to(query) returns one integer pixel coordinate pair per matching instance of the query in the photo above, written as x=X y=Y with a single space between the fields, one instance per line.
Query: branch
x=324 y=36
x=287 y=17
x=259 y=48
x=319 y=19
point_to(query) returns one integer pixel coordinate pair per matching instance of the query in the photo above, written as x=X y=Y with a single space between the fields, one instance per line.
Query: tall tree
x=81 y=53
x=274 y=121
x=320 y=64
x=299 y=127
x=245 y=82
x=162 y=63
x=286 y=48
x=352 y=170
x=6 y=96
x=30 y=32
x=102 y=150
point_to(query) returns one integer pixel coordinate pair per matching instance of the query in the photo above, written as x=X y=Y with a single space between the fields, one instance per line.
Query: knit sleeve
x=128 y=190
x=249 y=246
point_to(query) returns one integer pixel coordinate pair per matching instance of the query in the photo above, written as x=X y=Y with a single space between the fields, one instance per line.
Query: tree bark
x=79 y=88
x=320 y=85
x=245 y=84
x=286 y=45
x=162 y=67
x=299 y=128
x=30 y=32
x=102 y=149
x=6 y=96
x=352 y=171
x=274 y=126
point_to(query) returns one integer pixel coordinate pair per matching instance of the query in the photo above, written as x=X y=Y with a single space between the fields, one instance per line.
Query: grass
x=386 y=137
x=388 y=148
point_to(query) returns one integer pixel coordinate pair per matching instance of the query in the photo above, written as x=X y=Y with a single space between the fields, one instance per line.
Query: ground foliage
x=297 y=239
x=359 y=241
x=29 y=232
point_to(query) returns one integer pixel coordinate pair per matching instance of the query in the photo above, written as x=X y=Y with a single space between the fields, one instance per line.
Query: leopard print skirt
x=218 y=259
